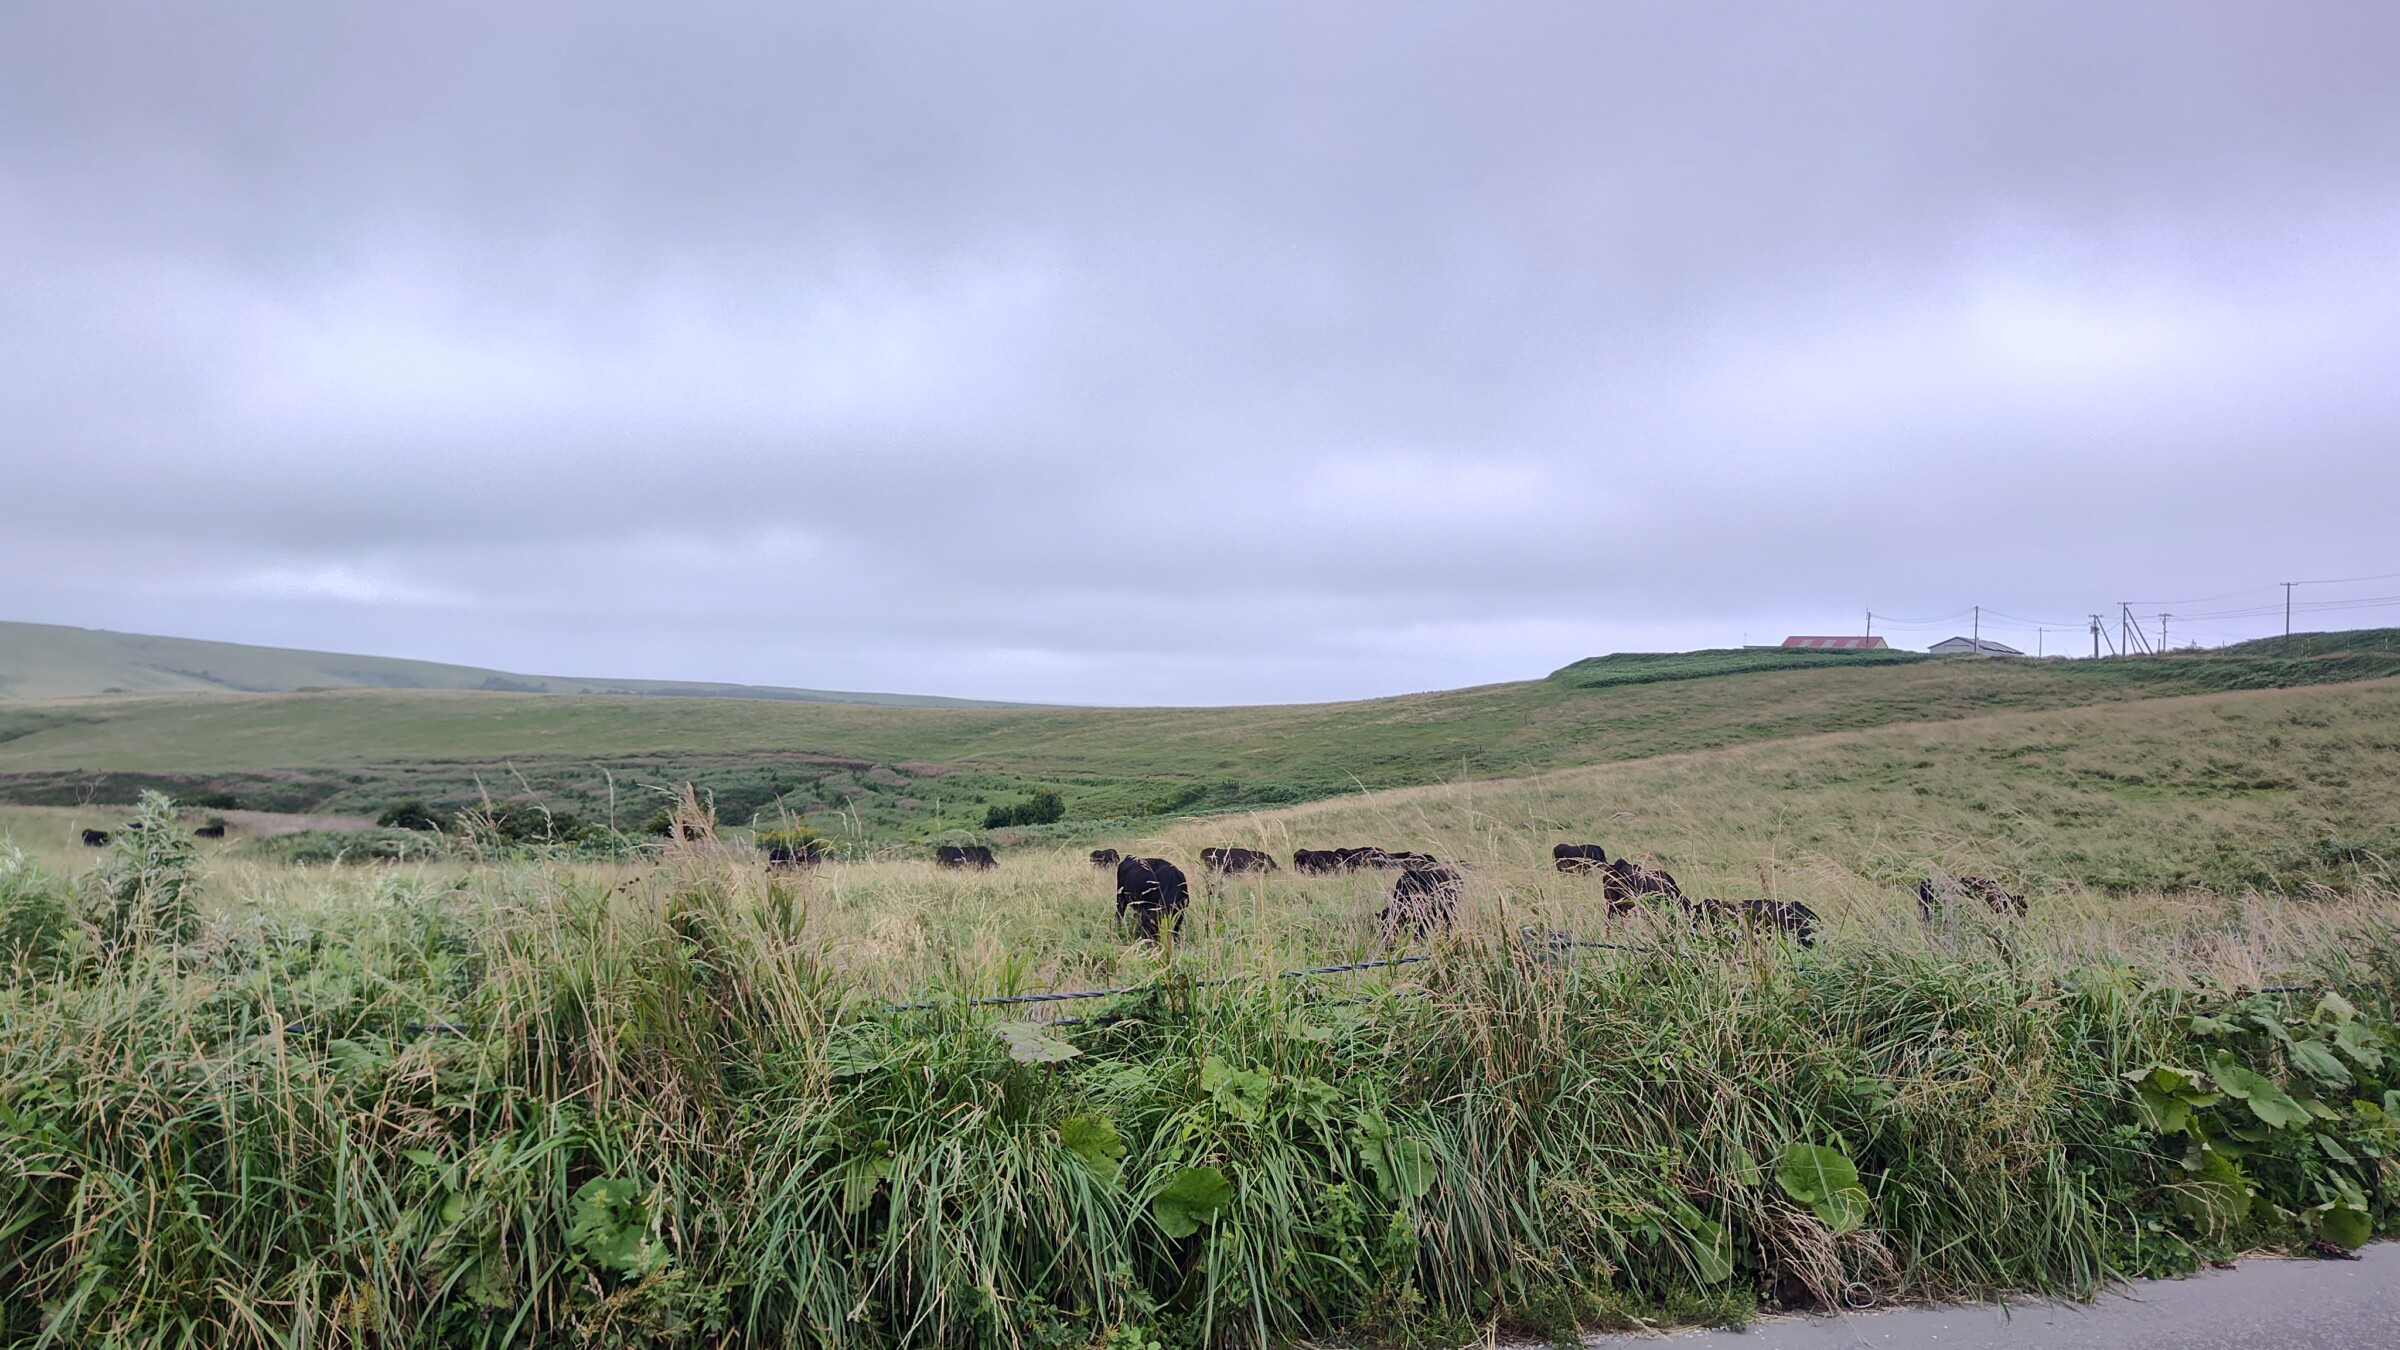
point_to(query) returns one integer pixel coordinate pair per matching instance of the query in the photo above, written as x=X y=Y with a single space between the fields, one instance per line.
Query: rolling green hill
x=45 y=661
x=898 y=771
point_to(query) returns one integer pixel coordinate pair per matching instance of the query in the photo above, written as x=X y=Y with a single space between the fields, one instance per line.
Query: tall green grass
x=560 y=1106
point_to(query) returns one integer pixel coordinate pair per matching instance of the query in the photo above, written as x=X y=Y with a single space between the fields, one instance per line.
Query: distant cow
x=977 y=856
x=209 y=832
x=95 y=838
x=1578 y=857
x=1625 y=884
x=806 y=855
x=1935 y=895
x=1360 y=859
x=1105 y=857
x=1152 y=890
x=1226 y=860
x=1789 y=917
x=1424 y=899
x=1316 y=860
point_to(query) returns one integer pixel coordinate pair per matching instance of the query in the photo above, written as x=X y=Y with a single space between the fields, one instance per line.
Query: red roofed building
x=1838 y=644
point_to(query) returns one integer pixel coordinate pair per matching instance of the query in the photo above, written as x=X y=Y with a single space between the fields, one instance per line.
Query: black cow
x=1624 y=884
x=1935 y=895
x=977 y=856
x=1226 y=860
x=1317 y=860
x=806 y=855
x=1578 y=857
x=1105 y=857
x=1789 y=917
x=1361 y=859
x=95 y=839
x=1424 y=899
x=1153 y=889
x=209 y=832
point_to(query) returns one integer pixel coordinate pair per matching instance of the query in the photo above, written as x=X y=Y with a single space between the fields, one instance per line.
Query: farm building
x=1838 y=644
x=1959 y=646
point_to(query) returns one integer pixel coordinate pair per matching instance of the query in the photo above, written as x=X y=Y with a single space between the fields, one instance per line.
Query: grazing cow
x=1425 y=898
x=95 y=838
x=1789 y=917
x=1316 y=860
x=804 y=855
x=1152 y=889
x=1105 y=857
x=1361 y=859
x=209 y=832
x=1624 y=884
x=1935 y=895
x=977 y=856
x=1226 y=860
x=1578 y=857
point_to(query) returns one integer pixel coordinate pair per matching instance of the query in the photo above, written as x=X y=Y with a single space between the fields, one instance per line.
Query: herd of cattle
x=1154 y=892
x=99 y=838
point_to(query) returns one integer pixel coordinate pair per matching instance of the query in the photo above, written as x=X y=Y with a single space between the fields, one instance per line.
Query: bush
x=797 y=843
x=37 y=926
x=526 y=823
x=1044 y=807
x=141 y=893
x=412 y=814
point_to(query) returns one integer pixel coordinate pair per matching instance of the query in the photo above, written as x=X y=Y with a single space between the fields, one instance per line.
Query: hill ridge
x=41 y=662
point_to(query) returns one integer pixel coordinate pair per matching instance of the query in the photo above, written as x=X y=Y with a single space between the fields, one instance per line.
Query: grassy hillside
x=2289 y=791
x=882 y=772
x=46 y=661
x=597 y=1103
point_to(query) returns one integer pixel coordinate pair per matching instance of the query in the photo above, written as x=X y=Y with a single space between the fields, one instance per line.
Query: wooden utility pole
x=2095 y=637
x=2287 y=612
x=1977 y=630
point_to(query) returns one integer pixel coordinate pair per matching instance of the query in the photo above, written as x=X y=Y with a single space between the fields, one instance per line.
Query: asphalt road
x=2261 y=1305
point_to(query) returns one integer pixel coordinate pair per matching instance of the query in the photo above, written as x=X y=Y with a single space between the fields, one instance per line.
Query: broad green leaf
x=609 y=1226
x=2361 y=1044
x=1744 y=1168
x=1029 y=1043
x=2332 y=1148
x=861 y=1177
x=1706 y=1242
x=2217 y=1195
x=1825 y=1180
x=2163 y=1112
x=2347 y=1226
x=422 y=1158
x=1403 y=1166
x=2318 y=1061
x=2267 y=1101
x=1241 y=1093
x=1093 y=1139
x=2332 y=1007
x=1192 y=1197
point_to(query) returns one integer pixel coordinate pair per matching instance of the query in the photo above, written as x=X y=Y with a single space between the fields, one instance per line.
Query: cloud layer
x=1097 y=352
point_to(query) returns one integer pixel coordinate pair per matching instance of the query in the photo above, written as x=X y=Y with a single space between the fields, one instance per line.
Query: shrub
x=1044 y=807
x=37 y=927
x=799 y=843
x=141 y=893
x=412 y=814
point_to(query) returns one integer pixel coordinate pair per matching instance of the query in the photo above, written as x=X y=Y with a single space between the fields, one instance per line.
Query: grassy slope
x=354 y=750
x=2276 y=790
x=47 y=661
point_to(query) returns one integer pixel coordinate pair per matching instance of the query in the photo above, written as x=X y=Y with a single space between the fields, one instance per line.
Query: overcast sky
x=1140 y=352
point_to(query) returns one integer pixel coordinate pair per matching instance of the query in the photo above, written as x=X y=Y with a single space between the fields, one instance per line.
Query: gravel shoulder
x=2263 y=1303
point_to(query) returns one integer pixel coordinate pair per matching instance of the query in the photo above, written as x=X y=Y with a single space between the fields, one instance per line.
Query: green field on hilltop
x=884 y=772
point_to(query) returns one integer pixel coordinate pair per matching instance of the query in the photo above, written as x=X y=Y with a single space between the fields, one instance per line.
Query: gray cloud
x=1131 y=353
